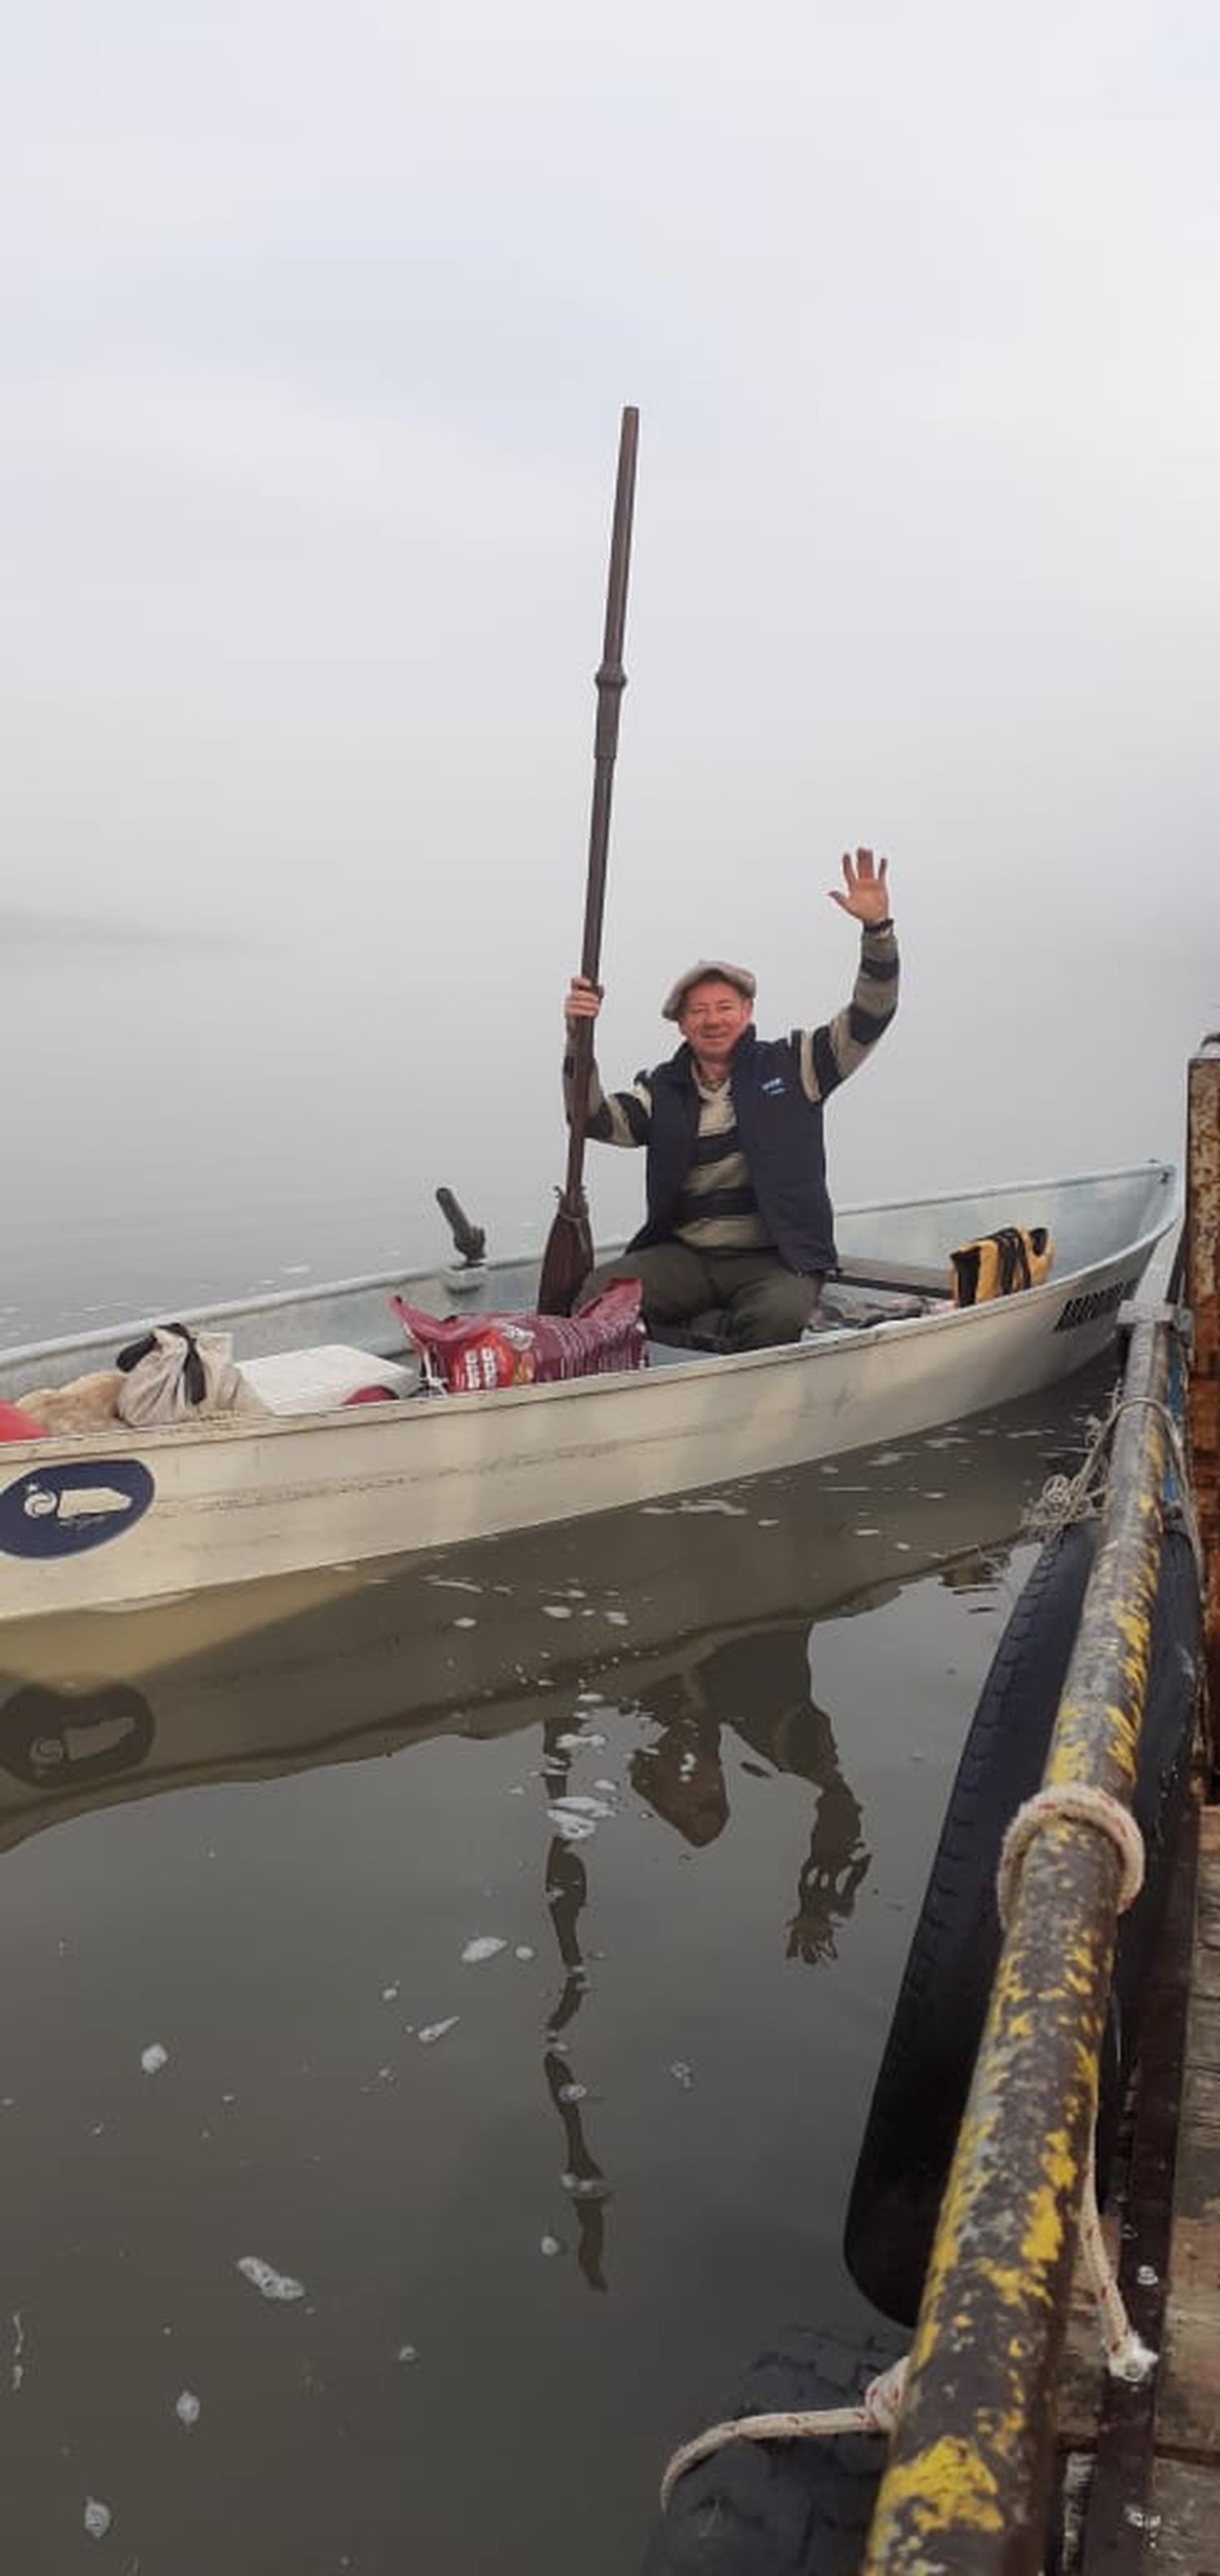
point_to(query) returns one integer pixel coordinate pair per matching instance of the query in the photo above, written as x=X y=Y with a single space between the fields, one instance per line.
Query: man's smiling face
x=713 y=1016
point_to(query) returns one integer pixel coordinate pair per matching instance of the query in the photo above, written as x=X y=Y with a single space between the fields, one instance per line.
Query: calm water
x=685 y=1767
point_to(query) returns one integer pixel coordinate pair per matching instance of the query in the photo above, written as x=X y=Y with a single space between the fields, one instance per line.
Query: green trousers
x=766 y=1303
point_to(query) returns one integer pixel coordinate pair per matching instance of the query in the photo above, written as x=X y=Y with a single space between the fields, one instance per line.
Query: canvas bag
x=173 y=1373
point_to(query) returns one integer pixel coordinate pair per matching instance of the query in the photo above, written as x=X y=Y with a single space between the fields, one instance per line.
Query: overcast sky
x=318 y=323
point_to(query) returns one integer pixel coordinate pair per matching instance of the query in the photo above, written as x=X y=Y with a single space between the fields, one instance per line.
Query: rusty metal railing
x=967 y=2482
x=1203 y=1299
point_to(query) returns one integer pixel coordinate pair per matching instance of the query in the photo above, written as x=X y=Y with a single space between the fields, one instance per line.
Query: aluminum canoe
x=92 y=1522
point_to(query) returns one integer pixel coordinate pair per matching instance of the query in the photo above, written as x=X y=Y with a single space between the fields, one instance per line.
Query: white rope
x=1080 y=1804
x=1185 y=1497
x=1126 y=2356
x=1065 y=1499
x=876 y=2412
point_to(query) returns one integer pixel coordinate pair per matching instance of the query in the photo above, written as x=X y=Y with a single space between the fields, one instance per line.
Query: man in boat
x=739 y=1216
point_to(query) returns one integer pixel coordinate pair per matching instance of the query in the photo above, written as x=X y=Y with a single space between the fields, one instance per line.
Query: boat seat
x=900 y=1278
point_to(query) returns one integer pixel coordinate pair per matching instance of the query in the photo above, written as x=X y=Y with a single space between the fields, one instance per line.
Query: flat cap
x=746 y=983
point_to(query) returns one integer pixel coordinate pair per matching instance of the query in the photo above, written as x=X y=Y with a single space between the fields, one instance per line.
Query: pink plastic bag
x=467 y=1354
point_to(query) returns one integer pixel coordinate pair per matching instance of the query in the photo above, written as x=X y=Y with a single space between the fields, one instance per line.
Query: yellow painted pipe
x=966 y=2486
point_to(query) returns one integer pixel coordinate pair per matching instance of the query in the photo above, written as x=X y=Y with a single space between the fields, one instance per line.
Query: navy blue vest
x=779 y=1130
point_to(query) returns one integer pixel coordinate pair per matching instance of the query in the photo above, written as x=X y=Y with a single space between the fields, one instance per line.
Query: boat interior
x=339 y=1344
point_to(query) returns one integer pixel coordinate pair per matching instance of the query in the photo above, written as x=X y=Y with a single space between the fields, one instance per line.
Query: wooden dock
x=1186 y=2483
x=1184 y=2499
x=1151 y=2455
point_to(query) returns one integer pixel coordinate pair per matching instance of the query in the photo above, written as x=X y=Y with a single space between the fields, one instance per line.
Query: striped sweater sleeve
x=830 y=1053
x=614 y=1117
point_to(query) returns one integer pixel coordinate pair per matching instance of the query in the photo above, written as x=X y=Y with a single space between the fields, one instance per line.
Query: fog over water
x=317 y=335
x=191 y=1126
x=317 y=331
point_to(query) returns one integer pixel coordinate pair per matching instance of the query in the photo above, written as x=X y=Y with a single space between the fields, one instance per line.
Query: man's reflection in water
x=758 y=1684
x=566 y=1891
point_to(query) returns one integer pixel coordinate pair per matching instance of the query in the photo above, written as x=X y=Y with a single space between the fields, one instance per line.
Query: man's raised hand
x=867 y=896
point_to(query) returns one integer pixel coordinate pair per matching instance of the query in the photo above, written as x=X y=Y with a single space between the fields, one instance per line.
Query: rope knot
x=882 y=2399
x=1078 y=1803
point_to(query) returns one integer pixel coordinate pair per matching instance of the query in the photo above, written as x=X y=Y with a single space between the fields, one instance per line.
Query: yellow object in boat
x=1015 y=1256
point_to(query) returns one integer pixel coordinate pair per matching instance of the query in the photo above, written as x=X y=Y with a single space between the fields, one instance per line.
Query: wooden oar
x=568 y=1257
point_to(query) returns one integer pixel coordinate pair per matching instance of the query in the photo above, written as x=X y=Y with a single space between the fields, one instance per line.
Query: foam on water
x=265 y=2279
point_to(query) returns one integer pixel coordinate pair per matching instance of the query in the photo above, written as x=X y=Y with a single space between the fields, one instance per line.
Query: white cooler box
x=322 y=1379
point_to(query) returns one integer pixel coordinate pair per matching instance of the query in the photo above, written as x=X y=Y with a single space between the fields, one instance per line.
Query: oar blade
x=568 y=1257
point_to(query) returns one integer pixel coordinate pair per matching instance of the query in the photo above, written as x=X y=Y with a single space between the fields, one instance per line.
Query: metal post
x=966 y=2487
x=1203 y=1299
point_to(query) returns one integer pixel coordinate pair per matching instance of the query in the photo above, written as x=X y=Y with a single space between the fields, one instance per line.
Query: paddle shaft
x=611 y=680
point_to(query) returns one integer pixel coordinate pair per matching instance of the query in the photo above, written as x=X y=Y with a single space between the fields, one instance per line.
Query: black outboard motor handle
x=470 y=1241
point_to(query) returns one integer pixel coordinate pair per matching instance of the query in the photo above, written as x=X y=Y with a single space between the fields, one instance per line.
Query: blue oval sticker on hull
x=60 y=1511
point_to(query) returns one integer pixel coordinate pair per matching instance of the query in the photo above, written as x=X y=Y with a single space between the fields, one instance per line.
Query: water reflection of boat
x=272 y=1678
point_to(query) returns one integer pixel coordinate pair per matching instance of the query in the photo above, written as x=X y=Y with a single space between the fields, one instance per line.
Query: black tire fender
x=928 y=2059
x=782 y=2508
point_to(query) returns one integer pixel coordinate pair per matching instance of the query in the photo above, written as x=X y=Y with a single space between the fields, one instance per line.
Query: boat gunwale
x=240 y=1428
x=364 y=1283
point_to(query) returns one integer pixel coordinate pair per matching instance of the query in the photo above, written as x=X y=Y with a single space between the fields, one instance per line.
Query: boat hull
x=265 y=1678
